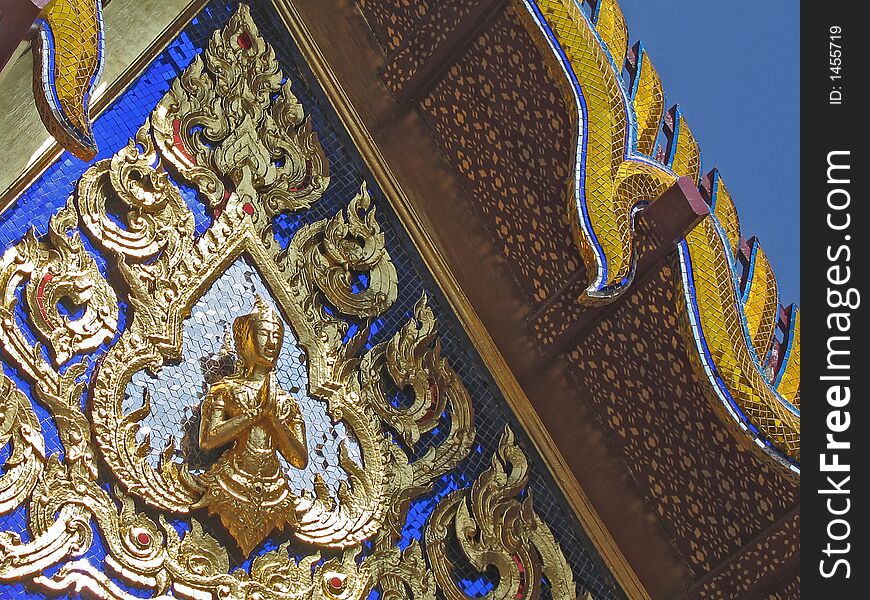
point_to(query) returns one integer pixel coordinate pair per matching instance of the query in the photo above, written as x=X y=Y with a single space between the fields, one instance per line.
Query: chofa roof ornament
x=68 y=54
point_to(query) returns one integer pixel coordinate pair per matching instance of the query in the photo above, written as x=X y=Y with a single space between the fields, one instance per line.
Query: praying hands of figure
x=284 y=420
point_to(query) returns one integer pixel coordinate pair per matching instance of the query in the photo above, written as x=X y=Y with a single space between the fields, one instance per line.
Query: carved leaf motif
x=276 y=571
x=494 y=528
x=55 y=271
x=20 y=427
x=402 y=574
x=59 y=271
x=218 y=124
x=353 y=243
x=157 y=229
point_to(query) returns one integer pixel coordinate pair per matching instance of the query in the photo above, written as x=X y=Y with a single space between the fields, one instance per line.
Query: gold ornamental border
x=423 y=242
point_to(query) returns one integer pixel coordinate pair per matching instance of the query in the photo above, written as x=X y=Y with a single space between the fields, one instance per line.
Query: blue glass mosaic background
x=120 y=122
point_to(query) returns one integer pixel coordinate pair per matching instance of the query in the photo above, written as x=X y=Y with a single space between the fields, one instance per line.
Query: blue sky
x=735 y=72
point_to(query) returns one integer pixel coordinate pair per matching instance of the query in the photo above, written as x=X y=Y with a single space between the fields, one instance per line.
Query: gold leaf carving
x=232 y=128
x=51 y=272
x=158 y=227
x=18 y=426
x=355 y=243
x=494 y=528
x=218 y=122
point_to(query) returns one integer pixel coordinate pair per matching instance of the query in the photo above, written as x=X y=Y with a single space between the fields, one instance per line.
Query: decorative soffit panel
x=223 y=376
x=629 y=151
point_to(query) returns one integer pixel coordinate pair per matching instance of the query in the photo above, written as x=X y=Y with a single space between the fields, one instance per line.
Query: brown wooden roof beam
x=778 y=546
x=661 y=224
x=439 y=40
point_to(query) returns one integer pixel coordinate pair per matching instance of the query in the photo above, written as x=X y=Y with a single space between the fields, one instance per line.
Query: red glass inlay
x=244 y=40
x=178 y=141
x=40 y=297
x=521 y=590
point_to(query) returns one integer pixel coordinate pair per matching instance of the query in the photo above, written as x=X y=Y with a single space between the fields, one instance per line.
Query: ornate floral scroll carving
x=412 y=359
x=59 y=270
x=59 y=522
x=48 y=273
x=353 y=243
x=401 y=574
x=20 y=428
x=219 y=124
x=494 y=528
x=157 y=227
x=252 y=158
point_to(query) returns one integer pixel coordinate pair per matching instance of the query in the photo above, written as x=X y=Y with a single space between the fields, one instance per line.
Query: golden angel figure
x=246 y=487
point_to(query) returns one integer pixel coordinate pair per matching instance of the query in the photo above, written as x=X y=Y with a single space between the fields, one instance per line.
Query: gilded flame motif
x=233 y=130
x=494 y=528
x=219 y=123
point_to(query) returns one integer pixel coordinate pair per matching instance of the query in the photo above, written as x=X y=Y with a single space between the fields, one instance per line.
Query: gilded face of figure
x=266 y=338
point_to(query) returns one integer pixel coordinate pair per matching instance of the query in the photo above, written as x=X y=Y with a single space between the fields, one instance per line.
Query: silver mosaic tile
x=177 y=392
